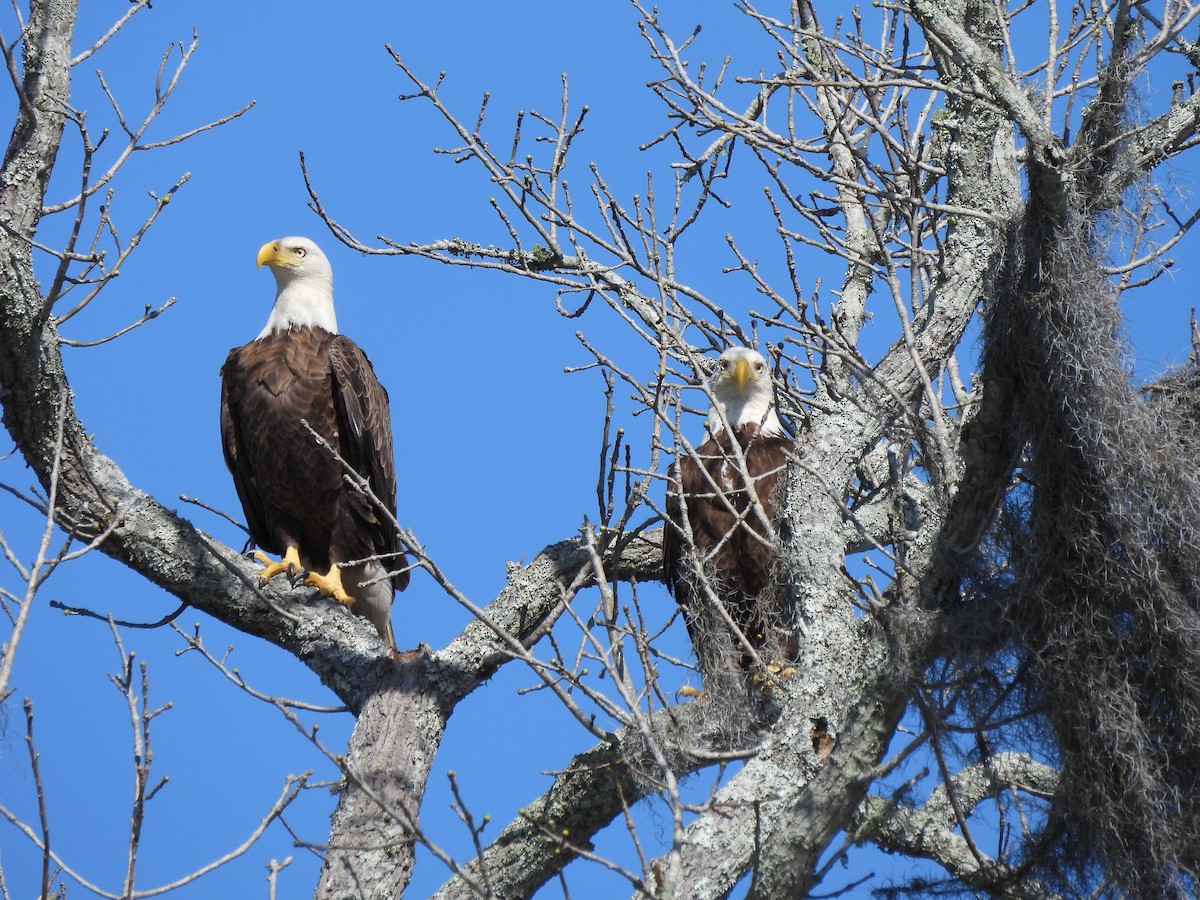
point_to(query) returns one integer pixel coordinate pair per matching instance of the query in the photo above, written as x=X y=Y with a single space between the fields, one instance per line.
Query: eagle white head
x=741 y=387
x=304 y=285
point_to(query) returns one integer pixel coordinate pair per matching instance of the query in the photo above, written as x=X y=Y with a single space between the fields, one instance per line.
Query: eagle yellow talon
x=781 y=670
x=330 y=585
x=694 y=693
x=289 y=565
x=776 y=671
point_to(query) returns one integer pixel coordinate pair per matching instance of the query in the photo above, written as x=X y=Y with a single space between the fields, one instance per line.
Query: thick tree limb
x=401 y=724
x=587 y=795
x=930 y=830
x=777 y=815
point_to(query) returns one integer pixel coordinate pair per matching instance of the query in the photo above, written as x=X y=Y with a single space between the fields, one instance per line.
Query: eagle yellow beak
x=741 y=373
x=268 y=253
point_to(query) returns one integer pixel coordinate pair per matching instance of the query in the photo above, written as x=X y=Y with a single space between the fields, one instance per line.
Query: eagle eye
x=301 y=252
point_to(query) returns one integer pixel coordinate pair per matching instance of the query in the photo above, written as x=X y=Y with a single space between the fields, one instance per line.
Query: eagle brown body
x=294 y=493
x=720 y=541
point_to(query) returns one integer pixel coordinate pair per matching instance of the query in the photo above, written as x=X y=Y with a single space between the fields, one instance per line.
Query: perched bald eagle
x=295 y=496
x=719 y=541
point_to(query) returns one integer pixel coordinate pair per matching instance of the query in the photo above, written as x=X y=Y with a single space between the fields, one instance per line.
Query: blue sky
x=495 y=444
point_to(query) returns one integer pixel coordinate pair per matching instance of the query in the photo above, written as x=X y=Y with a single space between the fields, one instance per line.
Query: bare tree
x=1002 y=560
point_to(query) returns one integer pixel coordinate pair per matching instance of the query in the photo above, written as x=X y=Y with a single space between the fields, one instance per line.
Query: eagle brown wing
x=275 y=393
x=290 y=489
x=728 y=541
x=365 y=442
x=233 y=391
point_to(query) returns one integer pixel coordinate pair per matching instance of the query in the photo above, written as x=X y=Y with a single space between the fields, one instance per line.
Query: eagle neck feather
x=757 y=410
x=302 y=304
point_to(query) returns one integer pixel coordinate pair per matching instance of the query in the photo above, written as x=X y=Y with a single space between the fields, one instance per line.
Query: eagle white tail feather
x=373 y=594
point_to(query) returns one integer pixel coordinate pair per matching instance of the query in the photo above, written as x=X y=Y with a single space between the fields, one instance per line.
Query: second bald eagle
x=295 y=495
x=722 y=508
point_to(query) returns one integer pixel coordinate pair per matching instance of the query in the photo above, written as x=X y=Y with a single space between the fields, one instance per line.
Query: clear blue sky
x=472 y=361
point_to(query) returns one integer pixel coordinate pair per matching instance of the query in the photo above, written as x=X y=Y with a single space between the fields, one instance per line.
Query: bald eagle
x=294 y=494
x=719 y=540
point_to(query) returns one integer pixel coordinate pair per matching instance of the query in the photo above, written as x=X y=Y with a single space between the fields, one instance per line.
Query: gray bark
x=400 y=726
x=777 y=816
x=595 y=787
x=932 y=830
